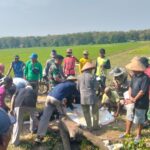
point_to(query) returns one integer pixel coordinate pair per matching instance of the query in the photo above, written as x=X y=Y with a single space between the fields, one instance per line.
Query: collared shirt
x=140 y=82
x=64 y=90
x=114 y=98
x=55 y=74
x=18 y=68
x=30 y=74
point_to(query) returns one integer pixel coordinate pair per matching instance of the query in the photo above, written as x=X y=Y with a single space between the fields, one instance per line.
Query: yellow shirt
x=83 y=61
x=100 y=63
x=114 y=98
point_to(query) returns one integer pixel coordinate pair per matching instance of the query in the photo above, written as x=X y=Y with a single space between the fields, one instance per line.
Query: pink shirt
x=2 y=96
x=69 y=65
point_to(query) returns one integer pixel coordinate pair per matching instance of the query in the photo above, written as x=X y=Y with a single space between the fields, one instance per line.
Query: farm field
x=119 y=54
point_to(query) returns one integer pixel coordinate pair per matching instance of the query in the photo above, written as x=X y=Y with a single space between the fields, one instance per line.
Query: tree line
x=75 y=39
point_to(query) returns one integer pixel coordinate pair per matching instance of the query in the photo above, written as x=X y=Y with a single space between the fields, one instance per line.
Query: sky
x=43 y=17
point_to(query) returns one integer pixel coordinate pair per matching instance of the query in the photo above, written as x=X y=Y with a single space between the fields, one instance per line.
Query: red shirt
x=147 y=71
x=69 y=65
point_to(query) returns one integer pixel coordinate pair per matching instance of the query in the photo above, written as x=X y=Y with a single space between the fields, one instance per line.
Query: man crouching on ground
x=56 y=99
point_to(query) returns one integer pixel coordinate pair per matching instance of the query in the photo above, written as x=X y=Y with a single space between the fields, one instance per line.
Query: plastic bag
x=105 y=117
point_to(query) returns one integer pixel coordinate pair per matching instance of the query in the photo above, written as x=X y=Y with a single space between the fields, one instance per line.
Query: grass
x=119 y=54
x=125 y=50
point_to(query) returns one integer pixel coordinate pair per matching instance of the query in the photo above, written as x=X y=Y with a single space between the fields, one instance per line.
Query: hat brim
x=132 y=68
x=89 y=68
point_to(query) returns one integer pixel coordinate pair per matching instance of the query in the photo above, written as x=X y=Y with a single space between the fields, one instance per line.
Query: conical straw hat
x=135 y=65
x=88 y=66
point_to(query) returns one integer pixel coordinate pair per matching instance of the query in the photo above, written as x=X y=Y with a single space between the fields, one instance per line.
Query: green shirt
x=30 y=74
x=114 y=98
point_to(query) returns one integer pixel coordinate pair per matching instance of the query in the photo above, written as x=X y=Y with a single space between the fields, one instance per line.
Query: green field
x=119 y=54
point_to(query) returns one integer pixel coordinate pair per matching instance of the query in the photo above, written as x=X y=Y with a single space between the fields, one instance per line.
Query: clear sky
x=43 y=17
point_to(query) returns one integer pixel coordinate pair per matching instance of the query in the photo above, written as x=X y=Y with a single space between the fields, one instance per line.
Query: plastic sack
x=105 y=117
x=76 y=115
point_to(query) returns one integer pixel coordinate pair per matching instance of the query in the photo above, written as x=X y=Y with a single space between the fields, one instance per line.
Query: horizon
x=76 y=33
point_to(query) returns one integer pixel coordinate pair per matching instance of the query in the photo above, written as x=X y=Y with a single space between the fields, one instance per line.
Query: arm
x=26 y=70
x=40 y=71
x=9 y=70
x=12 y=103
x=96 y=68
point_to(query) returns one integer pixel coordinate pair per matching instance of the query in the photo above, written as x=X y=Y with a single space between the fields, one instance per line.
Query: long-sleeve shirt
x=29 y=72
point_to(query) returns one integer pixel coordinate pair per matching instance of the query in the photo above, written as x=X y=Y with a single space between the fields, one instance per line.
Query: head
x=102 y=52
x=108 y=91
x=85 y=54
x=34 y=57
x=53 y=53
x=8 y=82
x=59 y=59
x=144 y=61
x=69 y=52
x=2 y=68
x=17 y=58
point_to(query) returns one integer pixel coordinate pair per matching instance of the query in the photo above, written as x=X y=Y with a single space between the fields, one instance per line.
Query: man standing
x=84 y=59
x=33 y=72
x=138 y=95
x=87 y=87
x=56 y=99
x=102 y=65
x=17 y=67
x=69 y=63
x=23 y=101
x=55 y=73
x=49 y=63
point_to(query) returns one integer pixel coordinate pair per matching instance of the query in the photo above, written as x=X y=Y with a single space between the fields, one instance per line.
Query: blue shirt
x=18 y=68
x=64 y=90
x=4 y=122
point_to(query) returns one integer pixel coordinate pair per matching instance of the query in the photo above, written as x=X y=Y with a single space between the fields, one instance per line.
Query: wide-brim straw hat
x=117 y=71
x=88 y=66
x=72 y=78
x=135 y=65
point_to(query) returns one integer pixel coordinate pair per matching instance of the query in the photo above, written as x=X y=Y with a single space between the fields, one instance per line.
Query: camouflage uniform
x=55 y=75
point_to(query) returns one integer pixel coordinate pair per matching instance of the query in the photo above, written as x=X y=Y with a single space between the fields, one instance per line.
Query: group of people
x=129 y=89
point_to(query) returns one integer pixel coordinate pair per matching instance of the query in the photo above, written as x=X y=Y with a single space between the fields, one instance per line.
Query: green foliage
x=75 y=39
x=130 y=145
